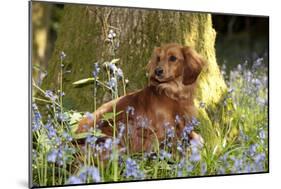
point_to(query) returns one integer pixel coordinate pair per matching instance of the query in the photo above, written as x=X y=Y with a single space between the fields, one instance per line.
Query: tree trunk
x=41 y=24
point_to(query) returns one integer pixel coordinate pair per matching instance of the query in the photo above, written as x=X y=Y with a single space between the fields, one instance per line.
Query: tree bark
x=40 y=25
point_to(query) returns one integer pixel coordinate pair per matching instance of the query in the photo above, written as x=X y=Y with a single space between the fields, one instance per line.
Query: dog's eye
x=172 y=58
x=158 y=58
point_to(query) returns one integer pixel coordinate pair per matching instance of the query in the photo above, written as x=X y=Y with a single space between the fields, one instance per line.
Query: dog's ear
x=193 y=65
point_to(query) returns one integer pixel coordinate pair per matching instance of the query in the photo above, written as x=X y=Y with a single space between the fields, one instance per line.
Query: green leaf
x=80 y=135
x=110 y=115
x=83 y=81
x=114 y=61
x=74 y=118
x=97 y=133
x=36 y=67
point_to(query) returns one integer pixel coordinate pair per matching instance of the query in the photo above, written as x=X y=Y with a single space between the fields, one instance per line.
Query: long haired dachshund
x=167 y=101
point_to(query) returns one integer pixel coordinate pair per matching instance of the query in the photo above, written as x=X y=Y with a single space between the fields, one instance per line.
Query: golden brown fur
x=169 y=93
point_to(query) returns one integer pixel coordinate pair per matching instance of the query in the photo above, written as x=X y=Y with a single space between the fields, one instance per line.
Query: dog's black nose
x=158 y=71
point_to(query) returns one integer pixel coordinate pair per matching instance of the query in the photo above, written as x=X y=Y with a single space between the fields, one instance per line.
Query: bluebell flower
x=52 y=156
x=194 y=122
x=34 y=107
x=119 y=73
x=99 y=147
x=143 y=122
x=257 y=63
x=83 y=174
x=180 y=148
x=121 y=130
x=89 y=116
x=36 y=119
x=61 y=155
x=111 y=35
x=195 y=152
x=62 y=55
x=164 y=155
x=248 y=168
x=74 y=180
x=261 y=101
x=221 y=171
x=61 y=116
x=34 y=154
x=177 y=119
x=96 y=70
x=132 y=170
x=243 y=136
x=196 y=144
x=62 y=93
x=237 y=164
x=195 y=157
x=203 y=168
x=51 y=132
x=189 y=168
x=130 y=110
x=262 y=134
x=94 y=173
x=259 y=158
x=57 y=141
x=116 y=141
x=224 y=158
x=67 y=136
x=91 y=140
x=253 y=149
x=259 y=162
x=202 y=104
x=89 y=173
x=49 y=94
x=68 y=150
x=186 y=131
x=112 y=83
x=108 y=143
x=182 y=163
x=112 y=68
x=60 y=152
x=180 y=166
x=256 y=82
x=170 y=132
x=150 y=155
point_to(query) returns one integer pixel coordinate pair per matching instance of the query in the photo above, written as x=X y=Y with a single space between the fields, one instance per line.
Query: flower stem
x=124 y=86
x=95 y=102
x=53 y=173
